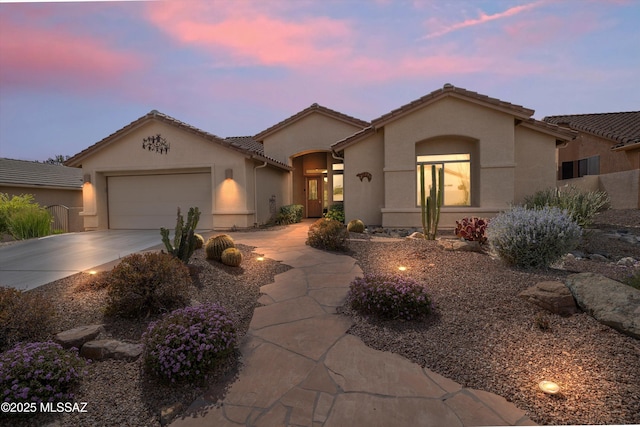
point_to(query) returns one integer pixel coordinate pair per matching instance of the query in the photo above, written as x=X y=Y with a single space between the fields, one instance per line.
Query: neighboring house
x=604 y=156
x=493 y=153
x=53 y=186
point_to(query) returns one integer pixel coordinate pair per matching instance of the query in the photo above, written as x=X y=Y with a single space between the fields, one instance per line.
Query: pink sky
x=72 y=73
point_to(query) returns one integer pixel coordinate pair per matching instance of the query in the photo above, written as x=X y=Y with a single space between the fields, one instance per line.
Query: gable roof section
x=623 y=128
x=314 y=108
x=22 y=173
x=521 y=114
x=251 y=150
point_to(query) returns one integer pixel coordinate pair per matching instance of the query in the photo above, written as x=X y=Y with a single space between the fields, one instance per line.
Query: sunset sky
x=73 y=73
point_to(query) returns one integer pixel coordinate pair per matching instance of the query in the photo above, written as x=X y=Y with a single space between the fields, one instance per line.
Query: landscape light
x=260 y=258
x=402 y=268
x=549 y=387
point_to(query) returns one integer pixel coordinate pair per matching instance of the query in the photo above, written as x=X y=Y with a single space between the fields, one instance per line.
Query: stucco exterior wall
x=586 y=145
x=272 y=184
x=188 y=153
x=494 y=165
x=364 y=199
x=313 y=132
x=535 y=162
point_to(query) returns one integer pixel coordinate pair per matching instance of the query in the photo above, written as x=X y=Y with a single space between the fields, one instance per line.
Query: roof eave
x=350 y=140
x=626 y=147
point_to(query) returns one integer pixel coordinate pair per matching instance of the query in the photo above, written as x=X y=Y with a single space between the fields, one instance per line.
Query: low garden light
x=402 y=268
x=549 y=387
x=92 y=272
x=260 y=258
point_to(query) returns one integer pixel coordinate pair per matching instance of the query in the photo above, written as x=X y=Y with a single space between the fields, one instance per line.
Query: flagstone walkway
x=301 y=368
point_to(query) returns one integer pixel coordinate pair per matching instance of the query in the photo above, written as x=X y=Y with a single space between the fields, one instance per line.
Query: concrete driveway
x=32 y=263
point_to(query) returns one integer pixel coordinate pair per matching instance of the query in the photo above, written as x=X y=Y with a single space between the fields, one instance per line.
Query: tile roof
x=522 y=114
x=307 y=111
x=237 y=143
x=450 y=90
x=621 y=128
x=33 y=174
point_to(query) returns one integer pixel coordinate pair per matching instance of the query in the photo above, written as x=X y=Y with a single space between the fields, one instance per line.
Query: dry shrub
x=23 y=317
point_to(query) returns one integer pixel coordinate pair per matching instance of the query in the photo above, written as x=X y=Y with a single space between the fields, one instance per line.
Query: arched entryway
x=317 y=182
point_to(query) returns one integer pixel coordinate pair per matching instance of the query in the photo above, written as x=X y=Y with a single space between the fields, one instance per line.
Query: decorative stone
x=459 y=245
x=111 y=349
x=627 y=261
x=76 y=337
x=415 y=235
x=552 y=296
x=168 y=413
x=598 y=257
x=610 y=302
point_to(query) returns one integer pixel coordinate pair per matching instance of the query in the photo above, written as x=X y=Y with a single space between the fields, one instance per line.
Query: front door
x=314 y=196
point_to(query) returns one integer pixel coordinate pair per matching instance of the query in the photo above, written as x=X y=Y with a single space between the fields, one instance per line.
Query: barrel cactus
x=355 y=226
x=199 y=241
x=217 y=244
x=231 y=257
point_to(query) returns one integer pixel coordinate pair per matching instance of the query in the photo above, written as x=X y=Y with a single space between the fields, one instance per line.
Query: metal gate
x=60 y=216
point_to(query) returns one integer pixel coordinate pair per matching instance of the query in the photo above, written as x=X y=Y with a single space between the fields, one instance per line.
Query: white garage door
x=150 y=201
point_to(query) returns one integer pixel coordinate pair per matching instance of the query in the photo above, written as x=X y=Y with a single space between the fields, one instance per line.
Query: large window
x=457 y=177
x=338 y=186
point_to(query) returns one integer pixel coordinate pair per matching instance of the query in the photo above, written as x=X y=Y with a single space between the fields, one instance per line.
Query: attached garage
x=150 y=201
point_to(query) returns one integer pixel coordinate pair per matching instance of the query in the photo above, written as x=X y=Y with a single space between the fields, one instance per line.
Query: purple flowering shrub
x=39 y=372
x=24 y=316
x=472 y=229
x=149 y=283
x=187 y=343
x=390 y=297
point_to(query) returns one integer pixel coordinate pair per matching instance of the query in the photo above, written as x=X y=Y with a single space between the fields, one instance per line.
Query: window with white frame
x=338 y=182
x=457 y=177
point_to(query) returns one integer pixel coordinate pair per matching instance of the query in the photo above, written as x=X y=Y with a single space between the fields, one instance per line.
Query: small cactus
x=199 y=241
x=183 y=241
x=231 y=257
x=217 y=244
x=355 y=226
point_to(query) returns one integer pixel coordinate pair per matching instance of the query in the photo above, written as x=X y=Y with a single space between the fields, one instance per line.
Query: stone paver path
x=301 y=368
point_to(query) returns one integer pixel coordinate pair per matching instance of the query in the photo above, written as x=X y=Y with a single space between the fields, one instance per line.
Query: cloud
x=244 y=34
x=484 y=18
x=35 y=57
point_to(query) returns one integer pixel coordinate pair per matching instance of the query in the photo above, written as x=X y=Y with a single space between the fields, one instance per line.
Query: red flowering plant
x=473 y=229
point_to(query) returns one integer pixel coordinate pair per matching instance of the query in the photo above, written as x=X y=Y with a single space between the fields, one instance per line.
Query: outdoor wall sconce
x=228 y=174
x=86 y=178
x=363 y=175
x=549 y=387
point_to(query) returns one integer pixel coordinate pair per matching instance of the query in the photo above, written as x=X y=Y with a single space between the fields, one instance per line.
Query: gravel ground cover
x=482 y=336
x=485 y=337
x=120 y=393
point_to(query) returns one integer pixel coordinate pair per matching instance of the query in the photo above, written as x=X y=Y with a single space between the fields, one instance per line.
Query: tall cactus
x=430 y=205
x=184 y=240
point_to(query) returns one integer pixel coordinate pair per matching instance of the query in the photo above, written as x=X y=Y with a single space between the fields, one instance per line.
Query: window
x=580 y=168
x=457 y=177
x=338 y=183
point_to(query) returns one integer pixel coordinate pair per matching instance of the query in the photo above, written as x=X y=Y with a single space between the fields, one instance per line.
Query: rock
x=76 y=337
x=415 y=235
x=111 y=349
x=627 y=261
x=598 y=257
x=459 y=245
x=630 y=238
x=578 y=254
x=168 y=413
x=611 y=303
x=552 y=296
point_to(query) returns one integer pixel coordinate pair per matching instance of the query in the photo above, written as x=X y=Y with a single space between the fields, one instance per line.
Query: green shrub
x=23 y=218
x=355 y=226
x=187 y=343
x=150 y=283
x=581 y=206
x=39 y=372
x=24 y=316
x=328 y=234
x=532 y=237
x=390 y=297
x=217 y=244
x=336 y=212
x=633 y=280
x=289 y=214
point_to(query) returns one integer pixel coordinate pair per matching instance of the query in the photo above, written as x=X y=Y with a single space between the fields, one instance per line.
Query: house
x=57 y=187
x=604 y=156
x=493 y=154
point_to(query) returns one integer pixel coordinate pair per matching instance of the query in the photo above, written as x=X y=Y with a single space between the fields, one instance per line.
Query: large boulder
x=76 y=337
x=612 y=303
x=111 y=349
x=552 y=296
